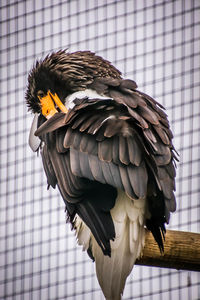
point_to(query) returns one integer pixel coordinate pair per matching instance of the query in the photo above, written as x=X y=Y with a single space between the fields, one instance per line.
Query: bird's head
x=51 y=80
x=46 y=91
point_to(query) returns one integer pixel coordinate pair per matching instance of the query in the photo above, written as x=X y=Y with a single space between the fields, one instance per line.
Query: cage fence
x=154 y=42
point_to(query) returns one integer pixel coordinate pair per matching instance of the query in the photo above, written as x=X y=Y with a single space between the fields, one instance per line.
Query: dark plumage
x=111 y=156
x=66 y=73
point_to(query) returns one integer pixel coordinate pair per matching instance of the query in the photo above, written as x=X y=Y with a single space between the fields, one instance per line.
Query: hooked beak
x=48 y=105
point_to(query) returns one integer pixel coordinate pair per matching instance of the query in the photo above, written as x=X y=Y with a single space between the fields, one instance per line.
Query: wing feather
x=78 y=121
x=84 y=143
x=138 y=118
x=84 y=165
x=123 y=143
x=117 y=180
x=60 y=134
x=162 y=134
x=149 y=115
x=115 y=150
x=69 y=138
x=138 y=178
x=55 y=122
x=134 y=150
x=123 y=151
x=128 y=84
x=126 y=182
x=105 y=150
x=96 y=168
x=89 y=121
x=49 y=171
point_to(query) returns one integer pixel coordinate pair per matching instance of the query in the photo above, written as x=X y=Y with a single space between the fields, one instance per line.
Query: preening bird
x=108 y=148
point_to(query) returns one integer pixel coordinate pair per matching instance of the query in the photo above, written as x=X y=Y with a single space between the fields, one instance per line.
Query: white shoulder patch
x=34 y=141
x=89 y=93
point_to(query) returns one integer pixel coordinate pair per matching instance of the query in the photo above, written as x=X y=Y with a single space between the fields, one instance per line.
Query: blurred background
x=154 y=42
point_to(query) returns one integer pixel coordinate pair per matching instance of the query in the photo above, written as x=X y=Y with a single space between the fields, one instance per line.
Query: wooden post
x=181 y=251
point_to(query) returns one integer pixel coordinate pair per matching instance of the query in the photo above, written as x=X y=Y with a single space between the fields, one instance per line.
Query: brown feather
x=163 y=160
x=164 y=122
x=100 y=133
x=137 y=117
x=163 y=136
x=166 y=182
x=59 y=165
x=69 y=117
x=96 y=123
x=80 y=119
x=89 y=122
x=105 y=150
x=84 y=165
x=94 y=128
x=149 y=115
x=122 y=98
x=49 y=171
x=115 y=150
x=123 y=151
x=99 y=86
x=69 y=138
x=96 y=169
x=55 y=122
x=151 y=100
x=106 y=168
x=110 y=81
x=126 y=182
x=150 y=136
x=84 y=142
x=162 y=149
x=134 y=150
x=77 y=140
x=92 y=146
x=171 y=170
x=138 y=178
x=60 y=134
x=114 y=169
x=168 y=132
x=171 y=203
x=137 y=97
x=128 y=84
x=113 y=127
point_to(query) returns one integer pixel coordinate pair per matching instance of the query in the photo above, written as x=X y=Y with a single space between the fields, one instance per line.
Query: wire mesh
x=157 y=44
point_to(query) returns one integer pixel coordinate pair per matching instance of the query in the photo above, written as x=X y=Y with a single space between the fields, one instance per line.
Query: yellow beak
x=48 y=106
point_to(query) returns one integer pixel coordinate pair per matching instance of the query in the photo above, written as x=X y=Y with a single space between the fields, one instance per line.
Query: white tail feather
x=128 y=216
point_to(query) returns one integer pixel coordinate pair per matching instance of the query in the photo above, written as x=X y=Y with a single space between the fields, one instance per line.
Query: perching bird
x=108 y=147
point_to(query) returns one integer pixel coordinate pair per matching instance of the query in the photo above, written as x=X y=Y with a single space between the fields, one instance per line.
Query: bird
x=108 y=149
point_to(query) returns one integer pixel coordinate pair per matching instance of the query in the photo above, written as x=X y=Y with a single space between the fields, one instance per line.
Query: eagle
x=108 y=148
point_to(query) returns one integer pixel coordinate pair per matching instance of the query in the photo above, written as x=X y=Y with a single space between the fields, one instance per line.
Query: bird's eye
x=40 y=93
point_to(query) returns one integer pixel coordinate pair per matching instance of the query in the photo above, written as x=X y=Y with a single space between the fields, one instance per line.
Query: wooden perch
x=182 y=251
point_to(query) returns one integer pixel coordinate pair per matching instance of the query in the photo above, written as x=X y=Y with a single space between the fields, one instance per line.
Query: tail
x=128 y=217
